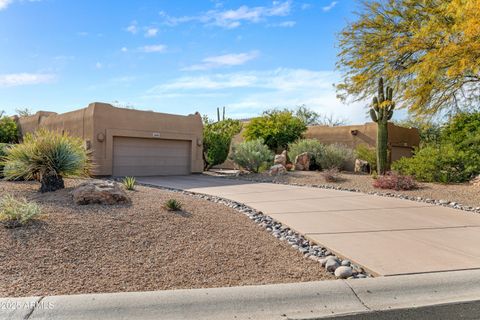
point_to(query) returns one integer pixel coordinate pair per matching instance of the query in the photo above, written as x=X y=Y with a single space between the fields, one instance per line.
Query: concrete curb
x=309 y=300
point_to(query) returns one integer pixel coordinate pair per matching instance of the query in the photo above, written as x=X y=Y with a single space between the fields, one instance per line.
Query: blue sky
x=173 y=56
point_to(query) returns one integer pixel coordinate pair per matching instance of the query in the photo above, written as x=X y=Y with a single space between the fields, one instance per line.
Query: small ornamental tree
x=217 y=137
x=277 y=128
x=381 y=112
x=8 y=130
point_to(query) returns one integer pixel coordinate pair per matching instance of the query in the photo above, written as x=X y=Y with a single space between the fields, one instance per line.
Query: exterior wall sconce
x=100 y=137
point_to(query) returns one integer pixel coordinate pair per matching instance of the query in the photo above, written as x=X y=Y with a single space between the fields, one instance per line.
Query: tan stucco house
x=127 y=142
x=401 y=140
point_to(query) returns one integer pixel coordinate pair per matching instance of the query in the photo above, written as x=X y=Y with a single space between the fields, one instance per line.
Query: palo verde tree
x=430 y=50
x=381 y=112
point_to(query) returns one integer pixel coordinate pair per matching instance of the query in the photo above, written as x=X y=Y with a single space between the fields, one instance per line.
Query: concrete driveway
x=387 y=236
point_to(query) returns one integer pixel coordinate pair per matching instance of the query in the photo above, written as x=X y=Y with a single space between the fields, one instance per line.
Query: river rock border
x=342 y=268
x=443 y=203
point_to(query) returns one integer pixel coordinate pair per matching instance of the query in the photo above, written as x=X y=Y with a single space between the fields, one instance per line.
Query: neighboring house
x=401 y=141
x=127 y=142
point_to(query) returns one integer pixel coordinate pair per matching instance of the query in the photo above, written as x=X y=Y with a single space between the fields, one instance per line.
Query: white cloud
x=247 y=94
x=284 y=24
x=330 y=6
x=22 y=79
x=153 y=48
x=216 y=82
x=234 y=18
x=132 y=28
x=124 y=49
x=227 y=60
x=279 y=79
x=98 y=65
x=306 y=6
x=151 y=32
x=4 y=4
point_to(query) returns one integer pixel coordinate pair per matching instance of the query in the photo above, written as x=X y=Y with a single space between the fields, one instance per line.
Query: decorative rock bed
x=341 y=268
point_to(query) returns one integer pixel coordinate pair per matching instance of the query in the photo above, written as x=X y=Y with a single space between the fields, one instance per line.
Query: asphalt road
x=454 y=311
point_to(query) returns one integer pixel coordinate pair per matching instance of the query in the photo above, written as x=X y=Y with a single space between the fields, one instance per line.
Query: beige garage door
x=150 y=157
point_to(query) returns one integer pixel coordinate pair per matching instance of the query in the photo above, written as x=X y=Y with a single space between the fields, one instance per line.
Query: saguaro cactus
x=381 y=112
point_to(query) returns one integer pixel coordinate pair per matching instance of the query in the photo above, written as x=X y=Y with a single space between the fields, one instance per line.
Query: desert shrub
x=3 y=153
x=394 y=181
x=331 y=175
x=8 y=130
x=336 y=156
x=252 y=155
x=277 y=128
x=48 y=157
x=173 y=205
x=15 y=213
x=463 y=132
x=453 y=157
x=366 y=153
x=432 y=163
x=217 y=137
x=314 y=148
x=129 y=183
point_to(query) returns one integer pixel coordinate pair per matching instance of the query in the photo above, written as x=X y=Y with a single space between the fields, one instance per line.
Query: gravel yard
x=465 y=193
x=141 y=247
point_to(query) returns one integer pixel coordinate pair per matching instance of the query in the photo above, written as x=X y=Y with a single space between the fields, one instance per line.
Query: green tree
x=23 y=112
x=313 y=118
x=308 y=116
x=463 y=132
x=430 y=49
x=217 y=137
x=276 y=127
x=8 y=130
x=381 y=112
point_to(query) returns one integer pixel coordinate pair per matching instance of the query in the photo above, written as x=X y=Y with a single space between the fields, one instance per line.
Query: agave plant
x=129 y=183
x=173 y=205
x=48 y=157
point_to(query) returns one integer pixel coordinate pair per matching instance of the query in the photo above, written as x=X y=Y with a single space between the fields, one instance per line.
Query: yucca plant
x=173 y=205
x=129 y=183
x=15 y=213
x=48 y=157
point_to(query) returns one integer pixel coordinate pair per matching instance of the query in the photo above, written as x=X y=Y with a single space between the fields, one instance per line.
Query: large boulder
x=281 y=158
x=100 y=192
x=302 y=162
x=362 y=166
x=277 y=169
